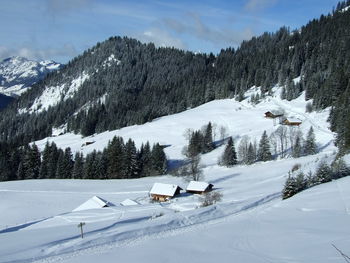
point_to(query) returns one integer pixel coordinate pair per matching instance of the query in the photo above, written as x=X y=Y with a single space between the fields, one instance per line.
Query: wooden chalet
x=163 y=192
x=196 y=187
x=273 y=114
x=291 y=122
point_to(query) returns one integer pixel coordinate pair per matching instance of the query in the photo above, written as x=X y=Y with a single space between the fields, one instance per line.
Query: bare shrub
x=210 y=198
x=296 y=167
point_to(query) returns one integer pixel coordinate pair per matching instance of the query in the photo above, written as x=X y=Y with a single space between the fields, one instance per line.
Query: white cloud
x=217 y=36
x=161 y=38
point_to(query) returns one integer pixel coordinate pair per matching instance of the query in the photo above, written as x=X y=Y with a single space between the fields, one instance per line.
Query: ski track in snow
x=184 y=225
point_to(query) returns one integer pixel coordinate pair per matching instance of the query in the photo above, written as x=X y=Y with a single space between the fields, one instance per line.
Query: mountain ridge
x=17 y=74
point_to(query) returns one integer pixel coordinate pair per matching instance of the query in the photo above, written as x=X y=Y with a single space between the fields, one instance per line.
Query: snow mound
x=93 y=203
x=129 y=202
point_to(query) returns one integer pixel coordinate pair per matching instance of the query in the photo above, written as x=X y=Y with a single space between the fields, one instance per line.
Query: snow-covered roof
x=128 y=202
x=293 y=120
x=92 y=203
x=164 y=189
x=197 y=186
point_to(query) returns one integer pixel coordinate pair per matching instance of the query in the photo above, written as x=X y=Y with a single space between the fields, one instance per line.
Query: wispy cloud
x=160 y=38
x=257 y=5
x=66 y=50
x=217 y=36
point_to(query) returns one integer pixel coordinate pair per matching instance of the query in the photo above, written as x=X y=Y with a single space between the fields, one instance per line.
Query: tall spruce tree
x=159 y=160
x=78 y=168
x=264 y=152
x=229 y=156
x=310 y=143
x=131 y=163
x=208 y=144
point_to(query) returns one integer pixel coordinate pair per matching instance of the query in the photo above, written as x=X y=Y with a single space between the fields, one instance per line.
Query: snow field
x=250 y=224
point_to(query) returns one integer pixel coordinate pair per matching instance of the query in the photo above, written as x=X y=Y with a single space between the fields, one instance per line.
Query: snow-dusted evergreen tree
x=339 y=169
x=43 y=173
x=323 y=173
x=290 y=187
x=297 y=148
x=145 y=161
x=264 y=152
x=310 y=143
x=229 y=156
x=78 y=168
x=301 y=182
x=159 y=161
x=251 y=155
x=116 y=158
x=131 y=163
x=208 y=139
x=31 y=162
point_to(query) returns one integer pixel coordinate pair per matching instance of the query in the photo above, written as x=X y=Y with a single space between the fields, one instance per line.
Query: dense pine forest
x=119 y=160
x=148 y=82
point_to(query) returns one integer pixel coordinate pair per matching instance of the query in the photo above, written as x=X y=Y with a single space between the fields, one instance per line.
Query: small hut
x=273 y=114
x=291 y=122
x=196 y=187
x=164 y=192
x=93 y=203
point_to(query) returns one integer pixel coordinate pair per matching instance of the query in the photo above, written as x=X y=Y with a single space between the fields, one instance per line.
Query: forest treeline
x=119 y=160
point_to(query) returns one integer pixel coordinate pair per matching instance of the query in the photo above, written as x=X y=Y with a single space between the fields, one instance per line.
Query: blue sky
x=62 y=29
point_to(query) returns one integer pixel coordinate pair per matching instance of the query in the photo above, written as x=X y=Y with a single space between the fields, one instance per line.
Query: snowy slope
x=250 y=224
x=17 y=74
x=239 y=119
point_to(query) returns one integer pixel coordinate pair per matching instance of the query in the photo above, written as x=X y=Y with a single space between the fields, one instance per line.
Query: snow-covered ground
x=250 y=224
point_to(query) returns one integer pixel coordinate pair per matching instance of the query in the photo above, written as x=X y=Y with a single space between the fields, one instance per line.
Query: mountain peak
x=17 y=73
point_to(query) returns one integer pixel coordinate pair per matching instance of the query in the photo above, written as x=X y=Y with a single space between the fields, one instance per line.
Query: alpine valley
x=96 y=155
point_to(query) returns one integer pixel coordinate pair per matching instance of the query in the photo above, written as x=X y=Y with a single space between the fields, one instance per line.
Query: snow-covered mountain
x=17 y=74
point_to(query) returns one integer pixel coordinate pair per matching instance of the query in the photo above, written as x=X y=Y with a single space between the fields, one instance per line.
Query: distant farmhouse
x=273 y=114
x=198 y=187
x=164 y=192
x=291 y=122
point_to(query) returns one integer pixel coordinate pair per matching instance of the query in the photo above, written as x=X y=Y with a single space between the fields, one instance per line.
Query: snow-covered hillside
x=238 y=118
x=250 y=224
x=18 y=73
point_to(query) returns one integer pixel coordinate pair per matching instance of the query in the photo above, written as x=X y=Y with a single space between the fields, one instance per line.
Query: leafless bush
x=210 y=198
x=296 y=167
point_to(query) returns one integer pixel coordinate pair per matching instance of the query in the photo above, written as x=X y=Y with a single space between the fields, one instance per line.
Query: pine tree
x=31 y=162
x=78 y=168
x=264 y=152
x=52 y=164
x=251 y=156
x=60 y=165
x=131 y=164
x=290 y=187
x=323 y=173
x=310 y=143
x=116 y=158
x=43 y=173
x=229 y=156
x=159 y=161
x=340 y=169
x=297 y=148
x=145 y=160
x=208 y=144
x=195 y=145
